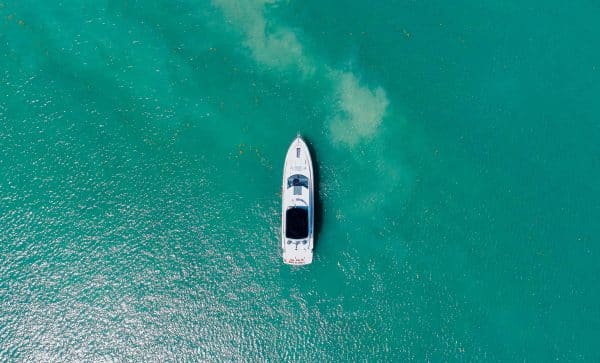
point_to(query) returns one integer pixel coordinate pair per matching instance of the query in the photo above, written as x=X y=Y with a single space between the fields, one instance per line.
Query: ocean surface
x=458 y=154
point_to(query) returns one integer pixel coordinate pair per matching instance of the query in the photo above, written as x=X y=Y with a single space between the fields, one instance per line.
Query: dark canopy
x=296 y=223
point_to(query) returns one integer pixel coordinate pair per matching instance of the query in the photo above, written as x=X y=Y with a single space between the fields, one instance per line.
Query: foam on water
x=361 y=110
x=273 y=46
x=358 y=110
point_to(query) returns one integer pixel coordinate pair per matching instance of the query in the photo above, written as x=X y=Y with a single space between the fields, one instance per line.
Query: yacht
x=297 y=209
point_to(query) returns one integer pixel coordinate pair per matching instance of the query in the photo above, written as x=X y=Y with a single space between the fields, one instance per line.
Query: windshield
x=297 y=180
x=296 y=225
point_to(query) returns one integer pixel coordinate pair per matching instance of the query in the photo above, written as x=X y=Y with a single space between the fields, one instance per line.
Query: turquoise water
x=141 y=151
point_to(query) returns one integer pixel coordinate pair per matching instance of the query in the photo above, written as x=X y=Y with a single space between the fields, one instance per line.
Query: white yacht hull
x=297 y=212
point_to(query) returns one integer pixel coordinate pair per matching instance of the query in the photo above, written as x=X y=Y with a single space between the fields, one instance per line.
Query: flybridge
x=297 y=181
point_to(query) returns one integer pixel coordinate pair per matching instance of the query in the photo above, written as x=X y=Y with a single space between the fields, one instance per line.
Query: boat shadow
x=318 y=202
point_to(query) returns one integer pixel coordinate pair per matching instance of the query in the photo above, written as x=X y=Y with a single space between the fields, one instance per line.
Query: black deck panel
x=296 y=223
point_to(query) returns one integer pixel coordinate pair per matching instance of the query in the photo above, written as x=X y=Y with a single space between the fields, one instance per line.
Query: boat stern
x=298 y=258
